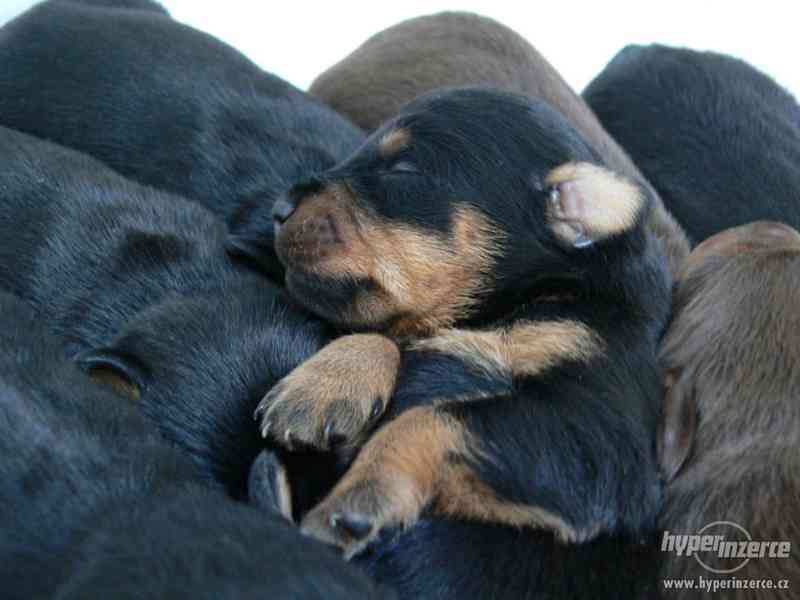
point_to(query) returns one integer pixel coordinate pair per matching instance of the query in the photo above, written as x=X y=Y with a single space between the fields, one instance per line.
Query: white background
x=298 y=40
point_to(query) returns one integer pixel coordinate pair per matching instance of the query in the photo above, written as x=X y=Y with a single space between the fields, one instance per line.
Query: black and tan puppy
x=95 y=504
x=694 y=122
x=166 y=105
x=451 y=49
x=137 y=285
x=731 y=424
x=478 y=227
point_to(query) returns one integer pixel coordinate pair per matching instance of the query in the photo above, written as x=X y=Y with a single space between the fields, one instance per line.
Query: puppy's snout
x=312 y=224
x=286 y=205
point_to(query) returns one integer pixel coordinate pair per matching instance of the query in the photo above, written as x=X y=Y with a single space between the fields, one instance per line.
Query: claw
x=582 y=241
x=260 y=410
x=288 y=439
x=265 y=429
x=555 y=196
x=377 y=410
x=356 y=528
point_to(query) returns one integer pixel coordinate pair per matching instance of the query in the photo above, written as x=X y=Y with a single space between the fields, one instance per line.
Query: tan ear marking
x=588 y=203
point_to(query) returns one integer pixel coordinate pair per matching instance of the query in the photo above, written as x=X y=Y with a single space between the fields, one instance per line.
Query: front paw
x=334 y=398
x=301 y=411
x=352 y=519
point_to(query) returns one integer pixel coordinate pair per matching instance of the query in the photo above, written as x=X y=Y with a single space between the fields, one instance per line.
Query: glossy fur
x=137 y=286
x=698 y=125
x=95 y=504
x=731 y=421
x=573 y=439
x=168 y=106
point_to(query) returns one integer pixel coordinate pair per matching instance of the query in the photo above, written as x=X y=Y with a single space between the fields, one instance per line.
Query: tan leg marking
x=526 y=349
x=408 y=465
x=334 y=396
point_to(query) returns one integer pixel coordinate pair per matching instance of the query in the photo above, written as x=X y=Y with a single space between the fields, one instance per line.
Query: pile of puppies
x=483 y=360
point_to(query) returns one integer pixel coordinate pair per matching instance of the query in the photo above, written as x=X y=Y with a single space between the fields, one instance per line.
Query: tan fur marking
x=393 y=478
x=394 y=141
x=463 y=495
x=409 y=454
x=410 y=464
x=339 y=385
x=116 y=382
x=429 y=281
x=527 y=349
x=604 y=203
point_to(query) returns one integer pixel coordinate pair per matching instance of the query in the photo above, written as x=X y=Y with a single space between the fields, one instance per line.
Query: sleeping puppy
x=95 y=504
x=693 y=122
x=731 y=423
x=167 y=105
x=137 y=286
x=477 y=226
x=451 y=49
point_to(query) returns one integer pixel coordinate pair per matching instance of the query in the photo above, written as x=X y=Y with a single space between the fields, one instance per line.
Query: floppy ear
x=268 y=485
x=677 y=426
x=588 y=203
x=114 y=370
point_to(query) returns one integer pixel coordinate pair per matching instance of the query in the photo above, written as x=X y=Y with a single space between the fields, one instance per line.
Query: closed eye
x=404 y=167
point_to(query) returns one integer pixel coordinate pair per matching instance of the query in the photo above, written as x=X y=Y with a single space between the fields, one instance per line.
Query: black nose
x=282 y=210
x=287 y=204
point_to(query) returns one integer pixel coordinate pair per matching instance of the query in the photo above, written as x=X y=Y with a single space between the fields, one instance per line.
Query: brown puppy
x=447 y=49
x=731 y=423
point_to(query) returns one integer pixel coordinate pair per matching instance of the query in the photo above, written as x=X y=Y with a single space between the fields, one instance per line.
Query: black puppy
x=167 y=105
x=137 y=285
x=95 y=504
x=478 y=229
x=694 y=122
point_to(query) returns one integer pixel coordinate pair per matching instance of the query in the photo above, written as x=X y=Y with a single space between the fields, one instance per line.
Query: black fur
x=135 y=5
x=577 y=462
x=137 y=281
x=168 y=106
x=719 y=140
x=444 y=560
x=94 y=504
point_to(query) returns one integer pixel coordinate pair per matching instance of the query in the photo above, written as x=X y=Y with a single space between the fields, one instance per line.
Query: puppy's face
x=734 y=334
x=441 y=207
